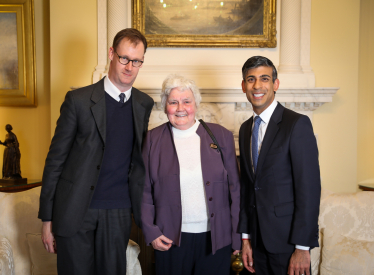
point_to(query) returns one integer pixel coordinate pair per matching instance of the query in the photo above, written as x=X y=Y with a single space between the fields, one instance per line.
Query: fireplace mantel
x=222 y=98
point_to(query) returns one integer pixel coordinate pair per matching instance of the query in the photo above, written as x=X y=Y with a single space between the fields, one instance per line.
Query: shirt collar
x=113 y=91
x=266 y=115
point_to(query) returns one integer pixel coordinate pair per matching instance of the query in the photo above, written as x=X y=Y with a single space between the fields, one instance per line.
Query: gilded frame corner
x=266 y=40
x=22 y=90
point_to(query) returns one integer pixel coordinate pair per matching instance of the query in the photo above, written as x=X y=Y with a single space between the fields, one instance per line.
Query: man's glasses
x=124 y=61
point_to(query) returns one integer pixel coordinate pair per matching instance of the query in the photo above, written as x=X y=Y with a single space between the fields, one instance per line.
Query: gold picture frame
x=17 y=53
x=206 y=23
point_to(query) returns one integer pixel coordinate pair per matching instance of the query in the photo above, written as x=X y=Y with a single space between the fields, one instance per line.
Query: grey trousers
x=99 y=247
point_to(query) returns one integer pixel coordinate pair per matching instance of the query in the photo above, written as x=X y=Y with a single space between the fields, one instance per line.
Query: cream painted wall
x=365 y=162
x=334 y=59
x=334 y=43
x=73 y=48
x=32 y=125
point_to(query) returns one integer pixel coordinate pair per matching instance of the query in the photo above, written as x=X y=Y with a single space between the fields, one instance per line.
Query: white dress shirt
x=265 y=118
x=113 y=91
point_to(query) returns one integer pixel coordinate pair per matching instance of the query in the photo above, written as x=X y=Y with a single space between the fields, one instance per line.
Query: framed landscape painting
x=17 y=53
x=206 y=23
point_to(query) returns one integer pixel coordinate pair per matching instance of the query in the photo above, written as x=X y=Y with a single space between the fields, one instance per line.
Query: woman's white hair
x=177 y=81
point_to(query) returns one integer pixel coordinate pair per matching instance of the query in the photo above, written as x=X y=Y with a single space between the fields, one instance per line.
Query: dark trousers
x=267 y=263
x=99 y=247
x=193 y=257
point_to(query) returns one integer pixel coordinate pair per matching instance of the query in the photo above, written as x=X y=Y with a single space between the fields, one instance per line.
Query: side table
x=20 y=187
x=366 y=187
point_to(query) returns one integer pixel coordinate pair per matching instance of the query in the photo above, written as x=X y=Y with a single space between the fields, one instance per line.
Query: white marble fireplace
x=223 y=101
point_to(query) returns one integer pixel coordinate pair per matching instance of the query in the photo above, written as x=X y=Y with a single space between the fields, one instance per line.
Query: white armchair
x=346 y=224
x=21 y=249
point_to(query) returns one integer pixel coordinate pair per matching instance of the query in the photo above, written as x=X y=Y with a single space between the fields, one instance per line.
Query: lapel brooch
x=213 y=146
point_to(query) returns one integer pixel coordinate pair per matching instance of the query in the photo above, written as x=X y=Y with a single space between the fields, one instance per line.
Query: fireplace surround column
x=289 y=59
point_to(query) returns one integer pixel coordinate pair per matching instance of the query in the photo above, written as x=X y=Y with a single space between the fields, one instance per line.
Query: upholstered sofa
x=346 y=224
x=21 y=249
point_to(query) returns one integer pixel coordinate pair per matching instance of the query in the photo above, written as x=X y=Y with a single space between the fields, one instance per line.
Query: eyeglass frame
x=132 y=61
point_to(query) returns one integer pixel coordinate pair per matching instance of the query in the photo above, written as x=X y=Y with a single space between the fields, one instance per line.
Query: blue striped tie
x=122 y=97
x=255 y=141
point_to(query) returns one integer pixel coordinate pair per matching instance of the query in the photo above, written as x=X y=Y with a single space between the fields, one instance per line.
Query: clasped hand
x=162 y=243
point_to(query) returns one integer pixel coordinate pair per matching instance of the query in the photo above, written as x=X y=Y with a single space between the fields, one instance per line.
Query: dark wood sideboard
x=13 y=188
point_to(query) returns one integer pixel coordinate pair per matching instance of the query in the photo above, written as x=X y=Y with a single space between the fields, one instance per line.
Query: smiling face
x=123 y=76
x=259 y=88
x=181 y=108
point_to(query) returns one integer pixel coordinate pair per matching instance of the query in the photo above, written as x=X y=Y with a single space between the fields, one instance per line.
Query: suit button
x=210 y=199
x=92 y=187
x=212 y=215
x=98 y=167
x=254 y=206
x=208 y=183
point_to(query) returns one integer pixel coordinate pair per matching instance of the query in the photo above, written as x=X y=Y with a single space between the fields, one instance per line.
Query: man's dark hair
x=133 y=35
x=258 y=61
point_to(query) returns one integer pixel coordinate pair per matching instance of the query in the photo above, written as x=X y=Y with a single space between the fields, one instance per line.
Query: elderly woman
x=190 y=207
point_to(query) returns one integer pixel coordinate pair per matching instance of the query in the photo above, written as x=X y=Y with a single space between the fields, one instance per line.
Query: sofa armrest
x=133 y=264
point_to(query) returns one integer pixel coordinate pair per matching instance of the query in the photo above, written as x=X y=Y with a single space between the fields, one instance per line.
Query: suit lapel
x=247 y=148
x=99 y=109
x=138 y=112
x=270 y=134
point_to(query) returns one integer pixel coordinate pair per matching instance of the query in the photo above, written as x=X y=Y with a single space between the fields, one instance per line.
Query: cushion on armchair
x=346 y=223
x=349 y=214
x=345 y=255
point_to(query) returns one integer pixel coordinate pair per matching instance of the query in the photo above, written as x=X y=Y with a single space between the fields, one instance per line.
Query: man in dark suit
x=94 y=172
x=280 y=179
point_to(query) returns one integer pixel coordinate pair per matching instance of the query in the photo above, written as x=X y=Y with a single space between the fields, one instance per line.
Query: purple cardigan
x=161 y=212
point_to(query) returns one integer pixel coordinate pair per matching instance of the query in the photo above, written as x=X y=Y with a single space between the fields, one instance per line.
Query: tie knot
x=122 y=97
x=258 y=120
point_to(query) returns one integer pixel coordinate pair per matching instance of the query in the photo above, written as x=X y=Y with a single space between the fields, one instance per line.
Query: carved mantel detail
x=230 y=107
